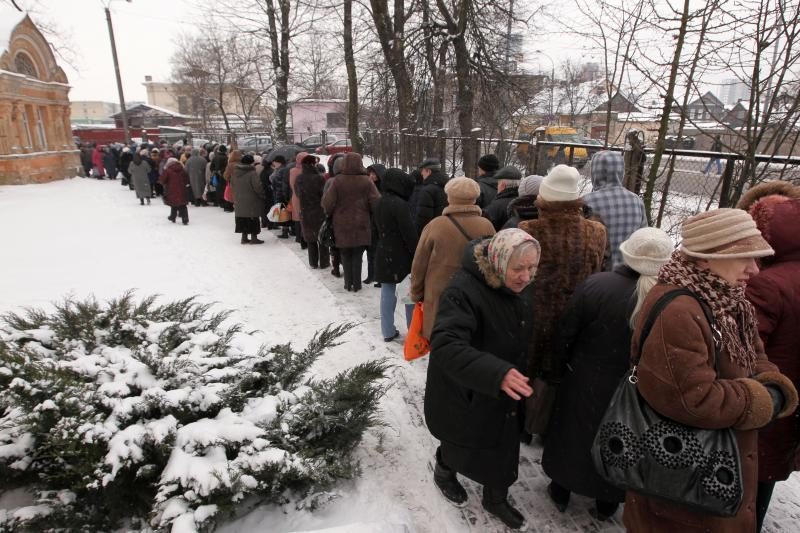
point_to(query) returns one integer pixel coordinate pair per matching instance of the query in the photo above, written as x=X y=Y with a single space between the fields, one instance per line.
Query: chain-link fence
x=685 y=183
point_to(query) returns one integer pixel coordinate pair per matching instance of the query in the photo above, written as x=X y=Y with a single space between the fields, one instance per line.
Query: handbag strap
x=460 y=227
x=656 y=310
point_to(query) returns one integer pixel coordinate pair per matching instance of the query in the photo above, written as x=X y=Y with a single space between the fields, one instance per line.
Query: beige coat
x=439 y=255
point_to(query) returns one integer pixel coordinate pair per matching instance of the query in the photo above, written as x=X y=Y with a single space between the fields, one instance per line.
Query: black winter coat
x=266 y=184
x=396 y=234
x=309 y=186
x=497 y=211
x=280 y=184
x=124 y=162
x=520 y=209
x=595 y=349
x=431 y=200
x=481 y=332
x=488 y=184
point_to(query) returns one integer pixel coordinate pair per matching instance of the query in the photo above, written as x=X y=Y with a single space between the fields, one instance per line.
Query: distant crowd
x=541 y=304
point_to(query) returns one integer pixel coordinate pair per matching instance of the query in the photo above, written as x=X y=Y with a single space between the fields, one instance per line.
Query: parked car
x=255 y=143
x=338 y=147
x=684 y=143
x=310 y=144
x=197 y=142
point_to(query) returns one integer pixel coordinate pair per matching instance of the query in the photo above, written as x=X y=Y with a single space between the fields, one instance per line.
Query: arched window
x=24 y=65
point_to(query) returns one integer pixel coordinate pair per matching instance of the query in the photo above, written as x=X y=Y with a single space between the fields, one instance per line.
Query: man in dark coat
x=110 y=162
x=283 y=194
x=375 y=172
x=477 y=347
x=125 y=159
x=431 y=199
x=395 y=242
x=488 y=165
x=86 y=159
x=176 y=190
x=508 y=179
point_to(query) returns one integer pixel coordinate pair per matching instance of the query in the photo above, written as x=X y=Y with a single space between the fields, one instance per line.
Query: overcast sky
x=144 y=31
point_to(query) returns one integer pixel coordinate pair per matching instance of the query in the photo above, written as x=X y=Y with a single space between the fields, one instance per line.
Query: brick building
x=35 y=137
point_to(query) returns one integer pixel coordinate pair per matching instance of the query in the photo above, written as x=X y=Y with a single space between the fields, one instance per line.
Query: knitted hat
x=489 y=163
x=462 y=191
x=529 y=186
x=646 y=250
x=171 y=161
x=723 y=233
x=560 y=185
x=248 y=159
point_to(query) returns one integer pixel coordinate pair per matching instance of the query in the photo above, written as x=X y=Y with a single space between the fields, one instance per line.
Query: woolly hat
x=560 y=185
x=488 y=163
x=462 y=191
x=529 y=186
x=723 y=233
x=646 y=250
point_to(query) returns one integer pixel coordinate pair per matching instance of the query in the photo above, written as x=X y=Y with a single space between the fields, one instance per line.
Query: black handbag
x=325 y=236
x=638 y=449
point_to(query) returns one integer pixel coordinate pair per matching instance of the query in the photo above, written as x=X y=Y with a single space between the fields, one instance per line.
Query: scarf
x=734 y=316
x=502 y=246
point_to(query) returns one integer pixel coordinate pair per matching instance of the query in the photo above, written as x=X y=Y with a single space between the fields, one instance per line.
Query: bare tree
x=352 y=78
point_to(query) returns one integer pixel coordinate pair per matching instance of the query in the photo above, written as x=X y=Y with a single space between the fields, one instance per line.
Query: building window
x=24 y=65
x=40 y=129
x=335 y=120
x=27 y=128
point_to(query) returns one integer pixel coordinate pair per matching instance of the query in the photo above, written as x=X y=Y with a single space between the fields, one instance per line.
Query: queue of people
x=536 y=300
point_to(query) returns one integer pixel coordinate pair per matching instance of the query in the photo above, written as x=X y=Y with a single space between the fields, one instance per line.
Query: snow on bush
x=153 y=416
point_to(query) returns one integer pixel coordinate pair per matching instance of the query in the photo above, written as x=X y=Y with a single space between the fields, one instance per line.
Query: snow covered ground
x=85 y=237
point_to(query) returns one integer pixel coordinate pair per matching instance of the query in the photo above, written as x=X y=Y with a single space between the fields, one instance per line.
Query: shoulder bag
x=638 y=449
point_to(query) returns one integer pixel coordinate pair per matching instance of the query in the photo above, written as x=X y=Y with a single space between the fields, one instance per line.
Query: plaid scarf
x=734 y=315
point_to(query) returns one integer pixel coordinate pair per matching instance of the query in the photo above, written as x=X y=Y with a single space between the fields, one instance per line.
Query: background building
x=35 y=137
x=310 y=117
x=93 y=112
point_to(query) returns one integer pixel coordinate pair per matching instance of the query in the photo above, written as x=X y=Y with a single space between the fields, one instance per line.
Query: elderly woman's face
x=736 y=272
x=521 y=269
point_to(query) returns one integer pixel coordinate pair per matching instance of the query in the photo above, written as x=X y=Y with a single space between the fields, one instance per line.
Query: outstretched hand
x=516 y=385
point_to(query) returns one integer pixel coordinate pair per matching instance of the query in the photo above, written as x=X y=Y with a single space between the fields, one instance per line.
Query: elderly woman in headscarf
x=476 y=376
x=196 y=168
x=140 y=171
x=176 y=190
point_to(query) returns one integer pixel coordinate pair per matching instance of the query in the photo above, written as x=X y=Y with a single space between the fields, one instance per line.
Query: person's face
x=275 y=165
x=521 y=269
x=481 y=172
x=736 y=272
x=373 y=176
x=425 y=173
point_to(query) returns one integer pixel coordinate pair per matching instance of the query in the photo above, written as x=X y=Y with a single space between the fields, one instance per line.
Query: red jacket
x=775 y=293
x=176 y=185
x=97 y=160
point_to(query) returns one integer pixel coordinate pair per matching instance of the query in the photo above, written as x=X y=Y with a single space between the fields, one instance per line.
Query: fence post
x=421 y=152
x=441 y=147
x=530 y=159
x=472 y=153
x=727 y=183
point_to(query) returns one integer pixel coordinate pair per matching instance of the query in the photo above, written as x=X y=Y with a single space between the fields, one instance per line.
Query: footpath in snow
x=84 y=237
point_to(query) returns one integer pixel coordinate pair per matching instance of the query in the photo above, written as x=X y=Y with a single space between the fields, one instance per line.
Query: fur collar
x=485 y=266
x=572 y=207
x=462 y=209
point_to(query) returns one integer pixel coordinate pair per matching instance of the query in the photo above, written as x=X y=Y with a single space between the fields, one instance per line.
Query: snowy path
x=83 y=236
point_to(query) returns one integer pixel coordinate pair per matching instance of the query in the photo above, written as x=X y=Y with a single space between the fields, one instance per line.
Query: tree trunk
x=664 y=125
x=352 y=79
x=280 y=63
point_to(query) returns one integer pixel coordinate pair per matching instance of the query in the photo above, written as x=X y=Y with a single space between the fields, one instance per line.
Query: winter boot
x=245 y=240
x=148 y=201
x=496 y=502
x=284 y=233
x=256 y=240
x=141 y=201
x=447 y=482
x=558 y=495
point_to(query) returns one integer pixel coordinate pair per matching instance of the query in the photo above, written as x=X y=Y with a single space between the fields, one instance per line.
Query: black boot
x=245 y=240
x=496 y=502
x=255 y=239
x=558 y=495
x=448 y=484
x=141 y=201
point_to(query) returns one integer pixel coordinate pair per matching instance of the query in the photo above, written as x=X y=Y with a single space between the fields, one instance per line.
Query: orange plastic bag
x=416 y=345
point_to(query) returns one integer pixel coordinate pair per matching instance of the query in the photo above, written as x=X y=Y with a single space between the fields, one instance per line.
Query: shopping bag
x=416 y=345
x=228 y=195
x=274 y=213
x=285 y=214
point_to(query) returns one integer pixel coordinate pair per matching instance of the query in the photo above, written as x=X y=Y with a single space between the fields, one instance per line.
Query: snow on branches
x=157 y=416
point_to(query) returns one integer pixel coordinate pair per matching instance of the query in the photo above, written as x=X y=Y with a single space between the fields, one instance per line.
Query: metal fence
x=687 y=181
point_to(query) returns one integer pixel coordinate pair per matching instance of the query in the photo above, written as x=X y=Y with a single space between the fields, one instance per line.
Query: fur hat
x=432 y=164
x=529 y=186
x=723 y=233
x=462 y=191
x=560 y=184
x=489 y=163
x=646 y=250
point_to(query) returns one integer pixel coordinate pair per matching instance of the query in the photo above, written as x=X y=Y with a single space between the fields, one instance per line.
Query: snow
x=86 y=237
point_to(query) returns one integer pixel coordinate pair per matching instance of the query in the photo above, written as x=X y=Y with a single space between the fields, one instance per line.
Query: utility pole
x=124 y=111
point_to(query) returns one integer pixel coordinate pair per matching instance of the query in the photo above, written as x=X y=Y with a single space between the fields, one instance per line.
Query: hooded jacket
x=380 y=171
x=248 y=194
x=176 y=185
x=431 y=199
x=348 y=201
x=621 y=211
x=394 y=229
x=308 y=187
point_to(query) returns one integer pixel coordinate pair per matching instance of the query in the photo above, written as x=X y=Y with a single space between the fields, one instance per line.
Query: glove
x=778 y=400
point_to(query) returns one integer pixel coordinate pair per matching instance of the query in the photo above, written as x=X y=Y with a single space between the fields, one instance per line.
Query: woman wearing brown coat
x=442 y=243
x=573 y=248
x=706 y=379
x=297 y=208
x=348 y=201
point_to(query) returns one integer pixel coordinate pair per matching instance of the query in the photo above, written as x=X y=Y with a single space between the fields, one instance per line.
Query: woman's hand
x=516 y=385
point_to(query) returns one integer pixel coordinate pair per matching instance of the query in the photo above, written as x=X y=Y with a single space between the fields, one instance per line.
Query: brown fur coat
x=572 y=249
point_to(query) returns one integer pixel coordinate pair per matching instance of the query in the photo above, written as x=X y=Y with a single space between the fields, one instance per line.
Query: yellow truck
x=563 y=134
